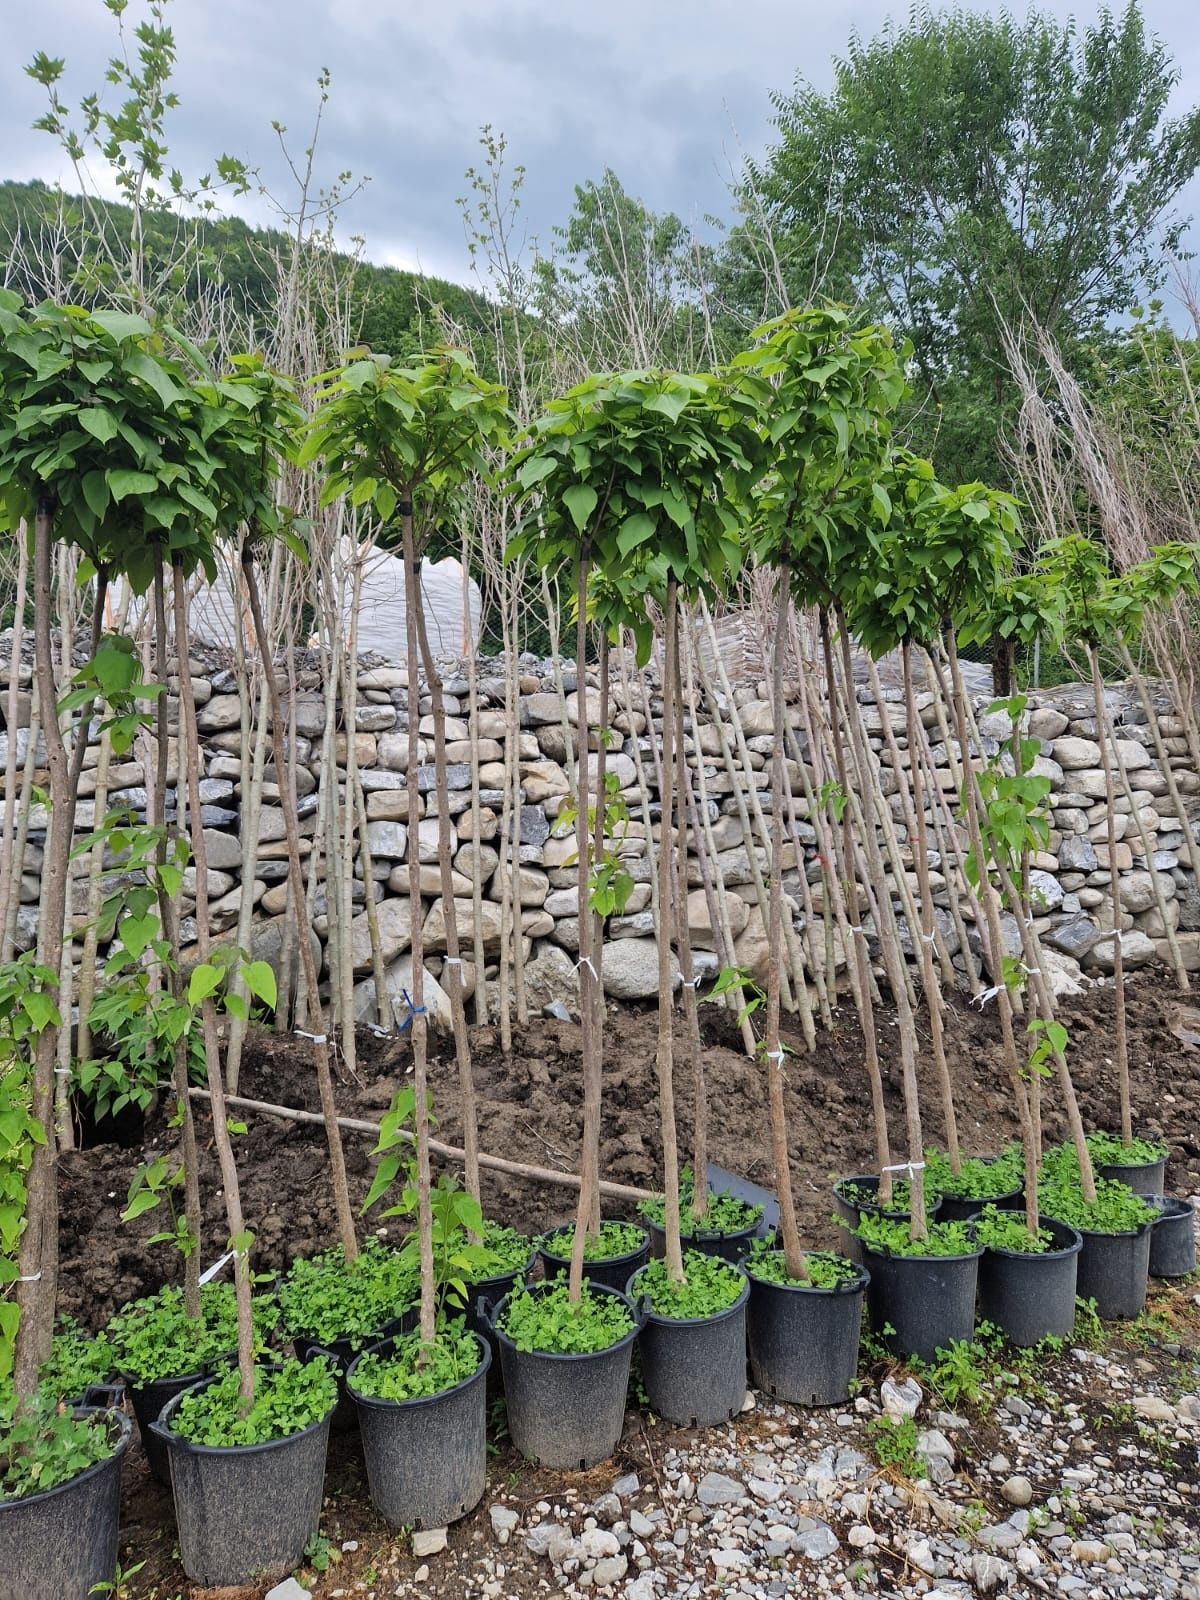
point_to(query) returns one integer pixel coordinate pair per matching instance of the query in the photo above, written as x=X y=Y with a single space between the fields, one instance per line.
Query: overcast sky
x=666 y=92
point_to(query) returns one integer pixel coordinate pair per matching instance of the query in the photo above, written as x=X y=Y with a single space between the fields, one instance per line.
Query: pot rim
x=377 y=1403
x=125 y=1438
x=854 y=1285
x=1181 y=1207
x=1058 y=1253
x=595 y=1261
x=494 y=1315
x=187 y=1378
x=690 y=1322
x=888 y=1255
x=707 y=1234
x=349 y=1353
x=476 y=1284
x=175 y=1441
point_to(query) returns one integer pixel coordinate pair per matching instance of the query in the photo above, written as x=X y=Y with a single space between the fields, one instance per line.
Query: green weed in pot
x=1109 y=1150
x=551 y=1323
x=997 y=1229
x=416 y=1371
x=328 y=1299
x=155 y=1338
x=43 y=1445
x=287 y=1399
x=977 y=1178
x=711 y=1285
x=614 y=1240
x=891 y=1236
x=77 y=1360
x=766 y=1262
x=1117 y=1208
x=726 y=1212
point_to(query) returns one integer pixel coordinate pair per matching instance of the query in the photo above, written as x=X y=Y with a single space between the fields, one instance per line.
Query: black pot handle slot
x=105 y=1396
x=485 y=1311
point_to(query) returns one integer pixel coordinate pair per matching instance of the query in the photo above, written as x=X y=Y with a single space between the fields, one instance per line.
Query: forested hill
x=391 y=308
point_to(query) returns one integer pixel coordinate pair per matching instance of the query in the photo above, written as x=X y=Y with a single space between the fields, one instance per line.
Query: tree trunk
x=664 y=1055
x=419 y=1030
x=1105 y=734
x=589 y=973
x=789 y=1232
x=452 y=966
x=231 y=1191
x=168 y=910
x=10 y=867
x=38 y=1261
x=883 y=1155
x=929 y=977
x=316 y=1019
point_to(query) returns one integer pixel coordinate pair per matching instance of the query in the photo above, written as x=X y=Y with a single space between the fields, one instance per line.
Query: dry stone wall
x=1071 y=877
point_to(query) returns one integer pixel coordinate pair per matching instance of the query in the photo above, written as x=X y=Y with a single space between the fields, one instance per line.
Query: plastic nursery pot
x=1173 y=1240
x=342 y=1352
x=612 y=1273
x=426 y=1459
x=1030 y=1295
x=244 y=1512
x=1143 y=1177
x=804 y=1340
x=928 y=1301
x=1113 y=1271
x=490 y=1291
x=147 y=1400
x=732 y=1247
x=566 y=1412
x=850 y=1209
x=694 y=1369
x=61 y=1544
x=961 y=1208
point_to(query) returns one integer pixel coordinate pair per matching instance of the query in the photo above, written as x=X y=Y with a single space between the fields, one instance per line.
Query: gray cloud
x=666 y=92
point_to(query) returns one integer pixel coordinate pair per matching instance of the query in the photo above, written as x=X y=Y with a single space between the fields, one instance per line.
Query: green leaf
x=204 y=981
x=259 y=978
x=580 y=500
x=124 y=481
x=101 y=424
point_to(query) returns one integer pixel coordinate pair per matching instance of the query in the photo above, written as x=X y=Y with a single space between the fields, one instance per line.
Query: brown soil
x=529 y=1110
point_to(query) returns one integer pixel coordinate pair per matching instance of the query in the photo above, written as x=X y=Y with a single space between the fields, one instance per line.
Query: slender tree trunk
x=10 y=867
x=419 y=1031
x=589 y=973
x=168 y=910
x=789 y=1232
x=1105 y=734
x=452 y=966
x=664 y=1057
x=230 y=1188
x=929 y=977
x=316 y=1019
x=893 y=961
x=38 y=1258
x=883 y=1156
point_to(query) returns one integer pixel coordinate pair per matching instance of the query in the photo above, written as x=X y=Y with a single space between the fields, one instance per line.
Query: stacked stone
x=1070 y=879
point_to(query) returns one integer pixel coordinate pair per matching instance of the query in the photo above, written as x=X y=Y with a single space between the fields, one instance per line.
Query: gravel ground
x=1071 y=1474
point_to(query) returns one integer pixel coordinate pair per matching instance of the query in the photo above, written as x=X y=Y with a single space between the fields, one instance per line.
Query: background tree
x=981 y=170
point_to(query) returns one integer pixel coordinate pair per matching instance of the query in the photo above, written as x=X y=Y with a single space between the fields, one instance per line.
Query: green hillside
x=391 y=308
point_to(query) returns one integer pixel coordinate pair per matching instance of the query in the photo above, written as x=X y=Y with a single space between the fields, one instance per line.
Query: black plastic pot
x=426 y=1459
x=851 y=1211
x=694 y=1370
x=612 y=1273
x=1142 y=1177
x=1173 y=1240
x=928 y=1301
x=490 y=1291
x=147 y=1400
x=804 y=1341
x=1031 y=1295
x=244 y=1512
x=1113 y=1271
x=565 y=1412
x=733 y=1247
x=342 y=1352
x=61 y=1544
x=960 y=1208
